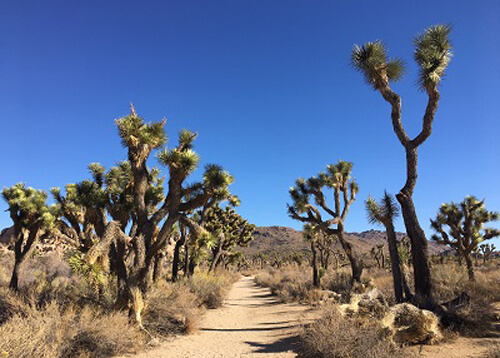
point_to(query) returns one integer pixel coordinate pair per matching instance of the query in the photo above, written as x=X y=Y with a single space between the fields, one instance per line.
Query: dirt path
x=252 y=323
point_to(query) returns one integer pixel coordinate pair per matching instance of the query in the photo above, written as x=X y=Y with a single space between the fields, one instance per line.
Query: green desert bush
x=334 y=336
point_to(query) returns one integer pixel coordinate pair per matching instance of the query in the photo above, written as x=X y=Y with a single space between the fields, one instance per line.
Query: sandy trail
x=252 y=323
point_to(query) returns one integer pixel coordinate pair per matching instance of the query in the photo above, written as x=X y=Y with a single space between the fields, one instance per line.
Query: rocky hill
x=286 y=240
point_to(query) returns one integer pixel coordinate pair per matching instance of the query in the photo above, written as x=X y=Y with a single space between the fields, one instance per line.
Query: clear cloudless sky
x=267 y=84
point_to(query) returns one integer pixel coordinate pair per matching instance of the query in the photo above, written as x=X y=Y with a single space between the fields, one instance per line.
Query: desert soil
x=252 y=323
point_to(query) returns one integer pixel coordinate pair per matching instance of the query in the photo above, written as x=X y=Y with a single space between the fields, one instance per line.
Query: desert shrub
x=33 y=334
x=10 y=305
x=339 y=281
x=493 y=352
x=290 y=285
x=94 y=334
x=210 y=289
x=477 y=314
x=333 y=336
x=52 y=332
x=171 y=309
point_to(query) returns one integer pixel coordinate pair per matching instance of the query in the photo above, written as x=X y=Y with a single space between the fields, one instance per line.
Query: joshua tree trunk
x=316 y=278
x=20 y=253
x=192 y=265
x=158 y=266
x=217 y=253
x=420 y=257
x=470 y=267
x=397 y=276
x=186 y=259
x=176 y=259
x=14 y=280
x=216 y=259
x=356 y=265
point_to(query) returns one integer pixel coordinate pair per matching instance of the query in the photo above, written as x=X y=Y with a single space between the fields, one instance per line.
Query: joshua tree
x=384 y=213
x=466 y=228
x=432 y=54
x=136 y=195
x=31 y=216
x=229 y=229
x=338 y=178
x=487 y=250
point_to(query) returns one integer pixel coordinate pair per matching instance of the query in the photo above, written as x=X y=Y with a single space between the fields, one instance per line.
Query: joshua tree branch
x=429 y=115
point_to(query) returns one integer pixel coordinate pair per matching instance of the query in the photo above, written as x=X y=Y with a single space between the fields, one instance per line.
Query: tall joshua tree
x=31 y=216
x=384 y=213
x=338 y=178
x=466 y=228
x=432 y=54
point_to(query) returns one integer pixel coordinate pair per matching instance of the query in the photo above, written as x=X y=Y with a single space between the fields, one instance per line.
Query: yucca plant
x=432 y=54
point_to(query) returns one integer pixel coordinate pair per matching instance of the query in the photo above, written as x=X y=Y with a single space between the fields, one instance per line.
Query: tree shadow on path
x=286 y=344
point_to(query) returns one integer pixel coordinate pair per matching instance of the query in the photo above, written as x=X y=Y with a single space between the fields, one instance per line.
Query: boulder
x=7 y=236
x=368 y=304
x=408 y=324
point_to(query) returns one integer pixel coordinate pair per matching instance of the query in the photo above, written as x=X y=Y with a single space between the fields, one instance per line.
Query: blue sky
x=267 y=84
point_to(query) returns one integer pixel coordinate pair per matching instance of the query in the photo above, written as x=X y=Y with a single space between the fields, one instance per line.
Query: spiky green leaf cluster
x=300 y=196
x=387 y=209
x=186 y=138
x=432 y=54
x=339 y=175
x=187 y=159
x=371 y=60
x=97 y=171
x=134 y=131
x=92 y=273
x=29 y=206
x=216 y=177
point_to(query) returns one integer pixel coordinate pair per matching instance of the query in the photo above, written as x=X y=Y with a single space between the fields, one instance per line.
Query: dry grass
x=51 y=332
x=289 y=284
x=477 y=315
x=171 y=309
x=333 y=336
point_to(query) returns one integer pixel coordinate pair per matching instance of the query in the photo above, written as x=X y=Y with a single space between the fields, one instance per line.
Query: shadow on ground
x=286 y=344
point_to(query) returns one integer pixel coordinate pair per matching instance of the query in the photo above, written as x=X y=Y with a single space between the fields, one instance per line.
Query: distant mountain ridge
x=286 y=240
